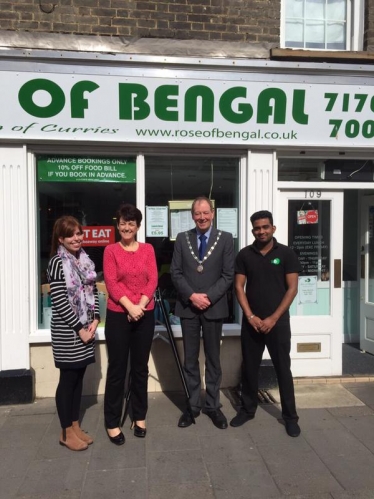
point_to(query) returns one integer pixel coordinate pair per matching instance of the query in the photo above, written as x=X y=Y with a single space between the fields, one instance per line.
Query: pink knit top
x=130 y=273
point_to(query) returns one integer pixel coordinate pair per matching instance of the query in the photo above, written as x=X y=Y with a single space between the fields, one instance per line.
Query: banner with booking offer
x=86 y=169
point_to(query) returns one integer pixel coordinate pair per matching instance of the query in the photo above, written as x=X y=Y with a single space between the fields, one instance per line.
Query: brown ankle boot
x=71 y=441
x=85 y=437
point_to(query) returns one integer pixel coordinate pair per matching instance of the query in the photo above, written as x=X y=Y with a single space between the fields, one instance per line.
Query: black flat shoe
x=185 y=420
x=292 y=428
x=118 y=439
x=241 y=418
x=138 y=430
x=218 y=418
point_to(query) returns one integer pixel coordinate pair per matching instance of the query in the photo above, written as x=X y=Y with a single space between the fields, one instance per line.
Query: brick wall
x=226 y=20
x=369 y=26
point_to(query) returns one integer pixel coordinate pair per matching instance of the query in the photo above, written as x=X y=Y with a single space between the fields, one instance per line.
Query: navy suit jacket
x=215 y=280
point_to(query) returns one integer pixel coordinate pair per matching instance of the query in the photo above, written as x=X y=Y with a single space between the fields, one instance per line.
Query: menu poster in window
x=311 y=240
x=227 y=219
x=156 y=221
x=181 y=216
x=181 y=221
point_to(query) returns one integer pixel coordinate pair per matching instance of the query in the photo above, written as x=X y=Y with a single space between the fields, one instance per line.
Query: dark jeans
x=68 y=395
x=278 y=343
x=124 y=337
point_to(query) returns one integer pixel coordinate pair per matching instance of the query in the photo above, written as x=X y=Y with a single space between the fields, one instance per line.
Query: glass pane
x=310 y=237
x=94 y=203
x=314 y=34
x=300 y=169
x=335 y=33
x=294 y=34
x=330 y=170
x=294 y=8
x=336 y=10
x=315 y=9
x=371 y=254
x=184 y=178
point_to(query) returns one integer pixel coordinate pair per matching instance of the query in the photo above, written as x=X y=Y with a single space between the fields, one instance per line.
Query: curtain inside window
x=316 y=24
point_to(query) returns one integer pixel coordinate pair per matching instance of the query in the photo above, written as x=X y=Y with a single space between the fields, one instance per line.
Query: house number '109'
x=313 y=194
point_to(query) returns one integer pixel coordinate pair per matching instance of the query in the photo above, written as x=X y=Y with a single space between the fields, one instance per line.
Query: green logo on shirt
x=276 y=261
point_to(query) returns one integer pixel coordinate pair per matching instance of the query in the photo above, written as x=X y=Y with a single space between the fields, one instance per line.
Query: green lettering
x=245 y=110
x=336 y=125
x=331 y=101
x=272 y=102
x=25 y=97
x=132 y=104
x=77 y=101
x=361 y=101
x=298 y=106
x=207 y=103
x=163 y=102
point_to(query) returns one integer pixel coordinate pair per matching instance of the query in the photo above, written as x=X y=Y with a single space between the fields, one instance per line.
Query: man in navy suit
x=202 y=271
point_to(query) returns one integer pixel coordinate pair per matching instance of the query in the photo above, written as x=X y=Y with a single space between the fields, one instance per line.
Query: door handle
x=337 y=273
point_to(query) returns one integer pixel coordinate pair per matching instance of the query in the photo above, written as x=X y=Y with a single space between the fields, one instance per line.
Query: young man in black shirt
x=266 y=280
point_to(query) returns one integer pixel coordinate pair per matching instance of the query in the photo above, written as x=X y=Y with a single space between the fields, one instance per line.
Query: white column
x=260 y=182
x=14 y=260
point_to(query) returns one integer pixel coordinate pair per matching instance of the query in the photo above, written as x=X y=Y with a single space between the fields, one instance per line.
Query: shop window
x=322 y=24
x=328 y=170
x=90 y=189
x=170 y=186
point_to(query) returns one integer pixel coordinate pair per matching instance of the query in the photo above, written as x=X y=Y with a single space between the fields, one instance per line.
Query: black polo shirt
x=266 y=276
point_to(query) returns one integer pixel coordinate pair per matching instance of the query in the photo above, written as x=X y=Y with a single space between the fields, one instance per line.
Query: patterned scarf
x=80 y=279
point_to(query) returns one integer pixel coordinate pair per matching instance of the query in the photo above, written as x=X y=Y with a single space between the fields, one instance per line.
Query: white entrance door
x=367 y=275
x=311 y=222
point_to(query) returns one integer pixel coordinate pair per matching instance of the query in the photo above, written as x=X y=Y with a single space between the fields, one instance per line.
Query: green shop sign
x=86 y=169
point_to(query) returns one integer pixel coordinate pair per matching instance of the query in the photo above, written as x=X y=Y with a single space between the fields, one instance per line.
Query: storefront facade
x=82 y=133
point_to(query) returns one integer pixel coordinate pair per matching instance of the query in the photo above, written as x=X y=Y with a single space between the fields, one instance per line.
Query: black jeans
x=124 y=337
x=68 y=395
x=278 y=343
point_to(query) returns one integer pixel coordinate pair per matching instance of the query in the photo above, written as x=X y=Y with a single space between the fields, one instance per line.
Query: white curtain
x=316 y=23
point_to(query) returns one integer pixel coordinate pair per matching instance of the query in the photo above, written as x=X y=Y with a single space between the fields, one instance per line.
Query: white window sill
x=44 y=335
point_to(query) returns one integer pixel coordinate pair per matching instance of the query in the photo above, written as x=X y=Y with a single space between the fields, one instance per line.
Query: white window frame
x=355 y=26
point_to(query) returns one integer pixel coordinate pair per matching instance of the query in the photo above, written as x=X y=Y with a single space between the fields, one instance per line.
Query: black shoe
x=218 y=418
x=118 y=439
x=138 y=430
x=292 y=428
x=241 y=418
x=185 y=420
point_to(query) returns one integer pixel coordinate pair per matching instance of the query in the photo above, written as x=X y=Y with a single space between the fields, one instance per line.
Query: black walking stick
x=175 y=351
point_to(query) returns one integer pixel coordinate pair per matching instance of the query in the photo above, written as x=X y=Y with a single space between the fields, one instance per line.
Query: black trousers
x=212 y=333
x=278 y=343
x=69 y=395
x=124 y=337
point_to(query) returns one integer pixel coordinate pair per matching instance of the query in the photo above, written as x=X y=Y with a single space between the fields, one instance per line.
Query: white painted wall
x=14 y=259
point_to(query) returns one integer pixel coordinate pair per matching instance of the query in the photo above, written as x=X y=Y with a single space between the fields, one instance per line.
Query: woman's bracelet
x=251 y=317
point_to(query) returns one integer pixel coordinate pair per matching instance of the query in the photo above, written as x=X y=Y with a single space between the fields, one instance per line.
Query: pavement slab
x=333 y=458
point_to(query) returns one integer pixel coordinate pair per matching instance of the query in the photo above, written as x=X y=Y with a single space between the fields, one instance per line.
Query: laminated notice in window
x=157 y=221
x=308 y=289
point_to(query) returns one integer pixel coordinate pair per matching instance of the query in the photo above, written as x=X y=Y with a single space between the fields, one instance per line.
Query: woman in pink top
x=130 y=274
